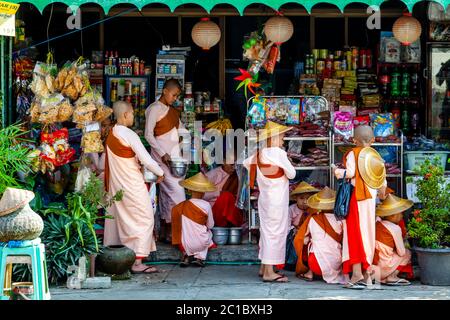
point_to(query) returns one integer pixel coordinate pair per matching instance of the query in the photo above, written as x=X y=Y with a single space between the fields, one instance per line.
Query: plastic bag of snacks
x=43 y=78
x=257 y=112
x=361 y=121
x=92 y=139
x=103 y=112
x=383 y=124
x=84 y=113
x=49 y=108
x=313 y=107
x=343 y=124
x=293 y=115
x=92 y=96
x=55 y=149
x=73 y=80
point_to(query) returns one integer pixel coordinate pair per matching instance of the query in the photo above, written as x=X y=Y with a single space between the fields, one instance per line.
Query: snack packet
x=92 y=140
x=257 y=112
x=383 y=124
x=343 y=124
x=293 y=115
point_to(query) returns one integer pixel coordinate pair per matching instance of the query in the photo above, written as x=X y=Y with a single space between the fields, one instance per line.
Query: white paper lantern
x=279 y=29
x=407 y=29
x=206 y=34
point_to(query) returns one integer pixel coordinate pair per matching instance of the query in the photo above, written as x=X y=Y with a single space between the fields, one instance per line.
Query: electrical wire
x=74 y=31
x=48 y=27
x=154 y=29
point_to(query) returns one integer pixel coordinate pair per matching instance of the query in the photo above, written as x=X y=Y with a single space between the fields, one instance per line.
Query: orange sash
x=189 y=210
x=171 y=120
x=268 y=170
x=383 y=235
x=362 y=192
x=323 y=222
x=114 y=144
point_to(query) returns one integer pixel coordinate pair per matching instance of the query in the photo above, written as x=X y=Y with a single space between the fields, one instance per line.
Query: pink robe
x=391 y=258
x=133 y=221
x=218 y=177
x=327 y=251
x=196 y=238
x=171 y=193
x=273 y=205
x=366 y=211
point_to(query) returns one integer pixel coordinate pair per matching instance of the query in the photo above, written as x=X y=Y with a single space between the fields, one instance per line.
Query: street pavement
x=238 y=282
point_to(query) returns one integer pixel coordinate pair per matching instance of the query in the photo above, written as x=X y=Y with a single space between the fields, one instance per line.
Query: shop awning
x=208 y=5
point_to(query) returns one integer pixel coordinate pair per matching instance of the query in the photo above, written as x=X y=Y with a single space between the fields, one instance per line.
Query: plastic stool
x=31 y=252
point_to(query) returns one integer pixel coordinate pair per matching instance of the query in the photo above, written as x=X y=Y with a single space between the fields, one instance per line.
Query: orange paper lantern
x=407 y=29
x=206 y=34
x=279 y=29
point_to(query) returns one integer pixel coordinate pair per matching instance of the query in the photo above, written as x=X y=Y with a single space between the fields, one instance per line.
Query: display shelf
x=399 y=157
x=164 y=75
x=120 y=76
x=306 y=138
x=313 y=168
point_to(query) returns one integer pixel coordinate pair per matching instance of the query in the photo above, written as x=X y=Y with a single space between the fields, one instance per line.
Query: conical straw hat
x=199 y=183
x=323 y=200
x=371 y=167
x=272 y=129
x=304 y=187
x=393 y=205
x=14 y=199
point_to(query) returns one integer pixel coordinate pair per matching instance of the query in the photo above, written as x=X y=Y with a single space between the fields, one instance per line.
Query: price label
x=8 y=18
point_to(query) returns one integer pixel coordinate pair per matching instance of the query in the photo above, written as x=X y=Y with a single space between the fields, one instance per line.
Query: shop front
x=322 y=68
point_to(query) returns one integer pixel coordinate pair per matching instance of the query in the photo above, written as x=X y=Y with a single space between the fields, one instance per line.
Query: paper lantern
x=206 y=34
x=407 y=29
x=279 y=29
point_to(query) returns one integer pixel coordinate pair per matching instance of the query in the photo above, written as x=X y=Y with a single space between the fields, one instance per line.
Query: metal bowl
x=178 y=167
x=149 y=176
x=235 y=236
x=220 y=235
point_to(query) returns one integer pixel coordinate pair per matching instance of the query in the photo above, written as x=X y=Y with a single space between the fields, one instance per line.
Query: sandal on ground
x=399 y=282
x=199 y=263
x=277 y=279
x=277 y=272
x=302 y=276
x=185 y=261
x=145 y=270
x=355 y=286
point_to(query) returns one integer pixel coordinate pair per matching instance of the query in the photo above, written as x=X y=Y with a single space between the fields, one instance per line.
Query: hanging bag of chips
x=92 y=139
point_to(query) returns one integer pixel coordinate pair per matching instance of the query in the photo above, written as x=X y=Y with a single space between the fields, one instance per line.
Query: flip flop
x=399 y=282
x=355 y=286
x=302 y=277
x=144 y=271
x=277 y=279
x=277 y=272
x=198 y=263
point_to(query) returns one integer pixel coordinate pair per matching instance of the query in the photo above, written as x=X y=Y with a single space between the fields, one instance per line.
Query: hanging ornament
x=206 y=34
x=278 y=29
x=407 y=29
x=247 y=81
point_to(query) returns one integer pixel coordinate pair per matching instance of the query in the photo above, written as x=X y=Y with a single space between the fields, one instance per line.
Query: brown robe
x=171 y=120
x=189 y=210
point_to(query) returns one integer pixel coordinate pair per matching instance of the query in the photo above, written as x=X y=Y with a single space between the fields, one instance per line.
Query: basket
x=416 y=158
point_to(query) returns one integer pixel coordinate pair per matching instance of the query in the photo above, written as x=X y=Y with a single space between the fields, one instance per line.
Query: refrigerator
x=438 y=94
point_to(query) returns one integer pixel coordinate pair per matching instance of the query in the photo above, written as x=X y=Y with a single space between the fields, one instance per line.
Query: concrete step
x=225 y=253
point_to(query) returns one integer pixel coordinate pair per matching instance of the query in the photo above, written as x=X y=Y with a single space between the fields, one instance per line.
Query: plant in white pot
x=430 y=226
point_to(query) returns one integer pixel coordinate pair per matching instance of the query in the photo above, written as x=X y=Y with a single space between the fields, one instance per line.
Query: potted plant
x=430 y=225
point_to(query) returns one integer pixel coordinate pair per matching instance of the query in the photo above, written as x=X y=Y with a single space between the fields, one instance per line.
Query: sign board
x=8 y=18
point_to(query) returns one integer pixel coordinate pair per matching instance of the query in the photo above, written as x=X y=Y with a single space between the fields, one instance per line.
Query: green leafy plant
x=430 y=226
x=82 y=210
x=13 y=156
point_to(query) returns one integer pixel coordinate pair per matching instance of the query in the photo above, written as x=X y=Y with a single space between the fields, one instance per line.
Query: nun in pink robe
x=327 y=251
x=392 y=259
x=196 y=238
x=133 y=221
x=366 y=209
x=273 y=205
x=171 y=193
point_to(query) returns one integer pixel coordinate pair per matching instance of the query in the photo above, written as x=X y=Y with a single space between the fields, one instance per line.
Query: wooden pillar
x=180 y=30
x=312 y=32
x=101 y=31
x=222 y=58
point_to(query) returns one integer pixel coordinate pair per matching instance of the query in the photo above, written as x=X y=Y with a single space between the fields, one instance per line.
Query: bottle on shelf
x=395 y=83
x=414 y=84
x=385 y=81
x=369 y=58
x=404 y=92
x=396 y=113
x=405 y=118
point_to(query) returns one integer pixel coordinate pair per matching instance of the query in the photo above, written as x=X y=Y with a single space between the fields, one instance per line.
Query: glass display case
x=439 y=91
